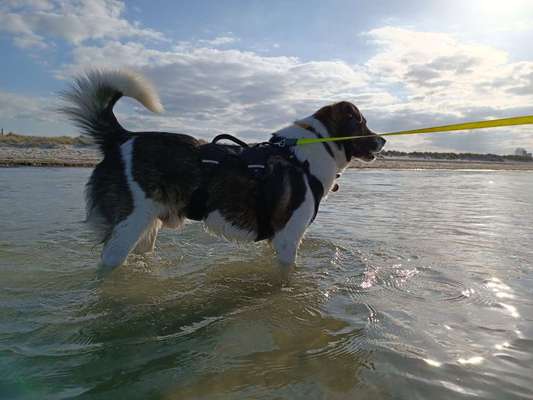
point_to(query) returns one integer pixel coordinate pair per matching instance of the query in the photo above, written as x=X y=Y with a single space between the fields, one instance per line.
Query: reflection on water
x=410 y=284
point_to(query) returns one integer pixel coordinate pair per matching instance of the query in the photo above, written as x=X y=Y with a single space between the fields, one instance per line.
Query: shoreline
x=84 y=156
x=418 y=164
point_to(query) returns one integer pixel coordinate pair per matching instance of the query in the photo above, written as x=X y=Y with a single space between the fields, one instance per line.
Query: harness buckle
x=281 y=142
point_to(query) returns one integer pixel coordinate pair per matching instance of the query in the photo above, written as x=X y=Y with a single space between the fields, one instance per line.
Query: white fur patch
x=321 y=165
x=93 y=91
x=217 y=224
x=287 y=240
x=127 y=233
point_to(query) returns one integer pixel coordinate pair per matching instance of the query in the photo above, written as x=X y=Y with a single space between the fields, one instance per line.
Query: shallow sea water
x=409 y=285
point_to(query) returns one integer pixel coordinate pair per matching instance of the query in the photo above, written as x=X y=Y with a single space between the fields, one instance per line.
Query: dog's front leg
x=287 y=240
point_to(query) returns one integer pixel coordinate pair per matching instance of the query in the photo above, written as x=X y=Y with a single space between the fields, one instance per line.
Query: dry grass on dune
x=13 y=139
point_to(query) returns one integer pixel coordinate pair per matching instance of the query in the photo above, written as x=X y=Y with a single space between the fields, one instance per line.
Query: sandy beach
x=49 y=156
x=88 y=156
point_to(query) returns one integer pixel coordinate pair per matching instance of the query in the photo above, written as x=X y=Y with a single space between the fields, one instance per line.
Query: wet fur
x=148 y=180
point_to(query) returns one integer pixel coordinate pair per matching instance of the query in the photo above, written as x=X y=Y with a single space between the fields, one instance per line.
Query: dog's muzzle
x=374 y=143
x=366 y=148
x=380 y=143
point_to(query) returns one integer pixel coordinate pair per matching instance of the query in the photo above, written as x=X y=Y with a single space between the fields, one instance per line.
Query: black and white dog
x=152 y=179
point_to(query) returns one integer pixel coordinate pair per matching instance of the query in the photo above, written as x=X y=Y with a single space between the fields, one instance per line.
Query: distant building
x=521 y=152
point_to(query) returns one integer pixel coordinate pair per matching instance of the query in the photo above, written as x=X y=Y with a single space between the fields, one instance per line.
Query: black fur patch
x=165 y=165
x=273 y=188
x=108 y=194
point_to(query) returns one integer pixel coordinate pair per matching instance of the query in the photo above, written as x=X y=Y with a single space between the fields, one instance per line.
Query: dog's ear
x=327 y=117
x=351 y=112
x=341 y=118
x=348 y=119
x=346 y=108
x=325 y=113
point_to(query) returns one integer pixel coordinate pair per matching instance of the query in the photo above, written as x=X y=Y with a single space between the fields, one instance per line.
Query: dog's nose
x=379 y=142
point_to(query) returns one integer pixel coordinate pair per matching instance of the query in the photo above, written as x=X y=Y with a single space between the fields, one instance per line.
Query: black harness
x=254 y=159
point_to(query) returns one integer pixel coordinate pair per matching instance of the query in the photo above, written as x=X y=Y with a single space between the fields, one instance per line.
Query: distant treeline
x=456 y=156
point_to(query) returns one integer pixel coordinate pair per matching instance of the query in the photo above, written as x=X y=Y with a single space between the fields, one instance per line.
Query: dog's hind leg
x=146 y=243
x=125 y=236
x=128 y=232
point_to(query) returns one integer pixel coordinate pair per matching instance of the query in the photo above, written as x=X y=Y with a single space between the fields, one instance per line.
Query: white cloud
x=31 y=4
x=24 y=36
x=438 y=72
x=443 y=80
x=414 y=79
x=16 y=106
x=34 y=115
x=207 y=90
x=218 y=41
x=30 y=22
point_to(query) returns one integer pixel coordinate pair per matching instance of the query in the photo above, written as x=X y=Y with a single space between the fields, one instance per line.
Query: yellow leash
x=443 y=128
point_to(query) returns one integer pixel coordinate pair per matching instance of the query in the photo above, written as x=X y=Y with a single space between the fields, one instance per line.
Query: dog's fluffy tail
x=91 y=99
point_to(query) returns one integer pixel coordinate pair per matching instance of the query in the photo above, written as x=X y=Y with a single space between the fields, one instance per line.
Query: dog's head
x=345 y=119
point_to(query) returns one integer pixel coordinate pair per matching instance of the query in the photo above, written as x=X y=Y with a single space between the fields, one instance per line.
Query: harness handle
x=225 y=136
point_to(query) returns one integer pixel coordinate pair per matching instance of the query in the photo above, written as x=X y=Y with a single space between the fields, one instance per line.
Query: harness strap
x=197 y=207
x=316 y=186
x=225 y=136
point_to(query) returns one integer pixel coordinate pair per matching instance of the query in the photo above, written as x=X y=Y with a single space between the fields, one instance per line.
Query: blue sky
x=251 y=67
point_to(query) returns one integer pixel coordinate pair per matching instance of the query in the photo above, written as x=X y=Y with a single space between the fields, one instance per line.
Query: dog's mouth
x=368 y=158
x=367 y=150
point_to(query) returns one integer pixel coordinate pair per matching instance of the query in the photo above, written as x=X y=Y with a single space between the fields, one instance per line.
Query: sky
x=251 y=67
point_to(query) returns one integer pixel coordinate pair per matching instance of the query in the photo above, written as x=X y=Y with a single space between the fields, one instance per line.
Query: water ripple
x=413 y=284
